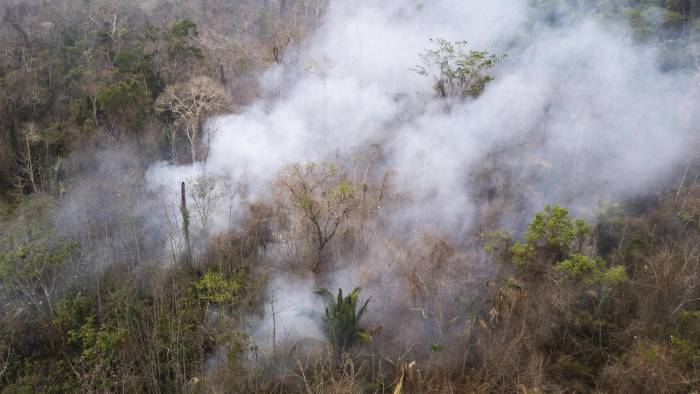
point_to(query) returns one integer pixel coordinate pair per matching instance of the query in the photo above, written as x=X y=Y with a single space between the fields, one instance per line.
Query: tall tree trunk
x=193 y=151
x=185 y=225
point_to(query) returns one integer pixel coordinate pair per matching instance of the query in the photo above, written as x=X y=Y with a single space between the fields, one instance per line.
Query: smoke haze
x=578 y=113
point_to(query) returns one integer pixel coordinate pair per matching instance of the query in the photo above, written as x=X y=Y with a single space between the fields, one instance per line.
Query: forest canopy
x=360 y=197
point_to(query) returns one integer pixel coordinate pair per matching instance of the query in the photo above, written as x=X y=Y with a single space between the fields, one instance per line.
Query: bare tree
x=319 y=198
x=27 y=160
x=190 y=103
x=207 y=193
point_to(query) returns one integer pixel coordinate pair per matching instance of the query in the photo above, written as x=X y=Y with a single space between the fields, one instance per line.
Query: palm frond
x=341 y=319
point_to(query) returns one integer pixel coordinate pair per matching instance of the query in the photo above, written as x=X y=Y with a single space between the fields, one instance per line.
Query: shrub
x=553 y=233
x=214 y=287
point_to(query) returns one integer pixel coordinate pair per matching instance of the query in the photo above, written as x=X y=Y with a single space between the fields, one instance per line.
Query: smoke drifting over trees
x=512 y=184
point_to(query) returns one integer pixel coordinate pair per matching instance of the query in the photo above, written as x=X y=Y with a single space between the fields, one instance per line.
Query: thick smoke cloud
x=607 y=114
x=582 y=112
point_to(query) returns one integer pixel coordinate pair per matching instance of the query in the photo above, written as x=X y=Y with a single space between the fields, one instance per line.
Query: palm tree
x=341 y=321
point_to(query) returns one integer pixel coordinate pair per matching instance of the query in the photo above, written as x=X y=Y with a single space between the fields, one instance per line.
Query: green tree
x=101 y=351
x=456 y=71
x=127 y=101
x=555 y=238
x=31 y=263
x=551 y=236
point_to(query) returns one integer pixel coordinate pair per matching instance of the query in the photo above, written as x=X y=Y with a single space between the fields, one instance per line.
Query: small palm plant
x=341 y=321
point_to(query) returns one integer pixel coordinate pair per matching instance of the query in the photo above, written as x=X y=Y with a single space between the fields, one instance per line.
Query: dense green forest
x=106 y=286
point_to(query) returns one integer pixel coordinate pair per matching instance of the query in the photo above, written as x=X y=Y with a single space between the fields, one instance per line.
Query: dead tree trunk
x=185 y=226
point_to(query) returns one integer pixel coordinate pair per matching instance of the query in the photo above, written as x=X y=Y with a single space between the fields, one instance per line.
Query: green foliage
x=305 y=202
x=615 y=275
x=128 y=61
x=71 y=312
x=341 y=320
x=214 y=287
x=319 y=186
x=344 y=191
x=553 y=232
x=685 y=340
x=591 y=269
x=455 y=71
x=51 y=375
x=690 y=316
x=183 y=28
x=26 y=258
x=640 y=22
x=554 y=237
x=101 y=345
x=127 y=100
x=674 y=19
x=495 y=239
x=687 y=216
x=181 y=34
x=30 y=263
x=684 y=348
x=498 y=243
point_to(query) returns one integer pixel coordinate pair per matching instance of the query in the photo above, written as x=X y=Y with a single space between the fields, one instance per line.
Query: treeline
x=81 y=75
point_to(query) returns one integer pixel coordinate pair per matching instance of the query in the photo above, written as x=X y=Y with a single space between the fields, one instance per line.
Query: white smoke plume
x=587 y=113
